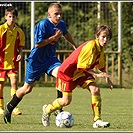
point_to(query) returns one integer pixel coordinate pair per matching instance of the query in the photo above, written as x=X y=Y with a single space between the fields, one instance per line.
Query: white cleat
x=45 y=117
x=100 y=123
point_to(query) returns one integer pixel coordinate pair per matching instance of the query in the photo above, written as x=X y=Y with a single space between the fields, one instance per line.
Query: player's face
x=103 y=38
x=10 y=19
x=55 y=14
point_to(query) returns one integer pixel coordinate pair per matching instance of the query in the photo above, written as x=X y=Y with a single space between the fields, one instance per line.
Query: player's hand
x=57 y=35
x=110 y=83
x=106 y=76
x=18 y=57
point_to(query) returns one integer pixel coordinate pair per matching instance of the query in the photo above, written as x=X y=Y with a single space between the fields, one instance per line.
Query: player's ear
x=49 y=15
x=6 y=17
x=96 y=36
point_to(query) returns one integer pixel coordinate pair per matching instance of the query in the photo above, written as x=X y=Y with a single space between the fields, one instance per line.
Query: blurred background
x=82 y=19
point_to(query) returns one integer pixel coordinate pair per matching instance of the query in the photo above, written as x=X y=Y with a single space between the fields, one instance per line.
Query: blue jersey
x=41 y=59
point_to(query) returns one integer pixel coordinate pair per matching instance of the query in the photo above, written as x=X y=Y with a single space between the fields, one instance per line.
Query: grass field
x=116 y=108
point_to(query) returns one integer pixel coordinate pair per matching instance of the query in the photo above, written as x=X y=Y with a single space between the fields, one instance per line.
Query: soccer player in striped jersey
x=78 y=70
x=12 y=41
x=42 y=58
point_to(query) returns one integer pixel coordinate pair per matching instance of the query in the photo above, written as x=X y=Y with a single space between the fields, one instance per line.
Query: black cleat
x=57 y=112
x=7 y=115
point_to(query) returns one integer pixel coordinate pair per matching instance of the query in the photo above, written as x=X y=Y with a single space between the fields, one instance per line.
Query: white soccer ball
x=64 y=120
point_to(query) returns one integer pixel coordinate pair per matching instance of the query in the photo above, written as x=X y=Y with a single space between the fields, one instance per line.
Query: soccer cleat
x=57 y=112
x=1 y=111
x=45 y=117
x=99 y=123
x=7 y=115
x=16 y=111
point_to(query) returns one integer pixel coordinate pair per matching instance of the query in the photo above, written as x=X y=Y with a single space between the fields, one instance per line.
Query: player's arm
x=19 y=56
x=21 y=45
x=101 y=74
x=98 y=74
x=51 y=40
x=68 y=37
x=101 y=67
x=108 y=80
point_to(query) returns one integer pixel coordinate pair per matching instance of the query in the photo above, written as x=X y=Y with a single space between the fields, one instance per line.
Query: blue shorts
x=33 y=73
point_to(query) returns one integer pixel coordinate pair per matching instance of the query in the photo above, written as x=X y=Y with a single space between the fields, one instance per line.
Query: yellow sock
x=96 y=106
x=1 y=103
x=53 y=106
x=13 y=91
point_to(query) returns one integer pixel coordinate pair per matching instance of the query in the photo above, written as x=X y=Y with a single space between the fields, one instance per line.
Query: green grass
x=116 y=108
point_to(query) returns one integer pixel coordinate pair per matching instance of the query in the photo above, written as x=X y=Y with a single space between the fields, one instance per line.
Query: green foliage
x=41 y=10
x=81 y=19
x=127 y=34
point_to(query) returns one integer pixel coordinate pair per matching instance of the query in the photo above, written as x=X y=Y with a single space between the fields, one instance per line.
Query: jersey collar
x=7 y=27
x=98 y=45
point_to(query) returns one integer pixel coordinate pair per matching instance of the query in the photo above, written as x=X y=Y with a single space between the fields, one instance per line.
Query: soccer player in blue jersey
x=42 y=58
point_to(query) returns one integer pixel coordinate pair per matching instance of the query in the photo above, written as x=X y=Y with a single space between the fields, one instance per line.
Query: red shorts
x=70 y=85
x=9 y=73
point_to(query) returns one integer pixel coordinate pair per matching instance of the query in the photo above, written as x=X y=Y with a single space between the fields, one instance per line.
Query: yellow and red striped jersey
x=10 y=42
x=87 y=56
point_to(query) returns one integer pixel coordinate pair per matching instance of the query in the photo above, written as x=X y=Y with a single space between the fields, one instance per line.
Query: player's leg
x=59 y=93
x=57 y=104
x=30 y=78
x=14 y=87
x=17 y=97
x=2 y=81
x=96 y=100
x=96 y=106
x=1 y=98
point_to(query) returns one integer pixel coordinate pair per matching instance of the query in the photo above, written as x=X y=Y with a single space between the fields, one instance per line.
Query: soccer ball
x=64 y=120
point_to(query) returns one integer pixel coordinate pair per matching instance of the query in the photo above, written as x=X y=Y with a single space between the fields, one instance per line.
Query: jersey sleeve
x=22 y=39
x=39 y=32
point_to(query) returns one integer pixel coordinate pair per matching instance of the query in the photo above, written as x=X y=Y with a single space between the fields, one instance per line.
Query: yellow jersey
x=10 y=42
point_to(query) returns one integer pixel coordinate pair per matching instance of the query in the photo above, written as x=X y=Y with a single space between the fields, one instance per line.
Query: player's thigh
x=12 y=74
x=13 y=79
x=51 y=67
x=89 y=83
x=55 y=71
x=3 y=75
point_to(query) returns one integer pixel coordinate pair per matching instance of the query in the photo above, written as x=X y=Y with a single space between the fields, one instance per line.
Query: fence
x=110 y=58
x=82 y=19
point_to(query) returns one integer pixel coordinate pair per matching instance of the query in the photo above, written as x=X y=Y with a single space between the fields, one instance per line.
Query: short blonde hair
x=56 y=5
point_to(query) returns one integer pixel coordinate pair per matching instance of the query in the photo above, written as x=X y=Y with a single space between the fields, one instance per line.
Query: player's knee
x=13 y=83
x=23 y=91
x=67 y=102
x=95 y=90
x=28 y=90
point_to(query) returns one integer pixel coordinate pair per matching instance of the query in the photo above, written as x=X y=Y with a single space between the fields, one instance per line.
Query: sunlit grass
x=116 y=108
